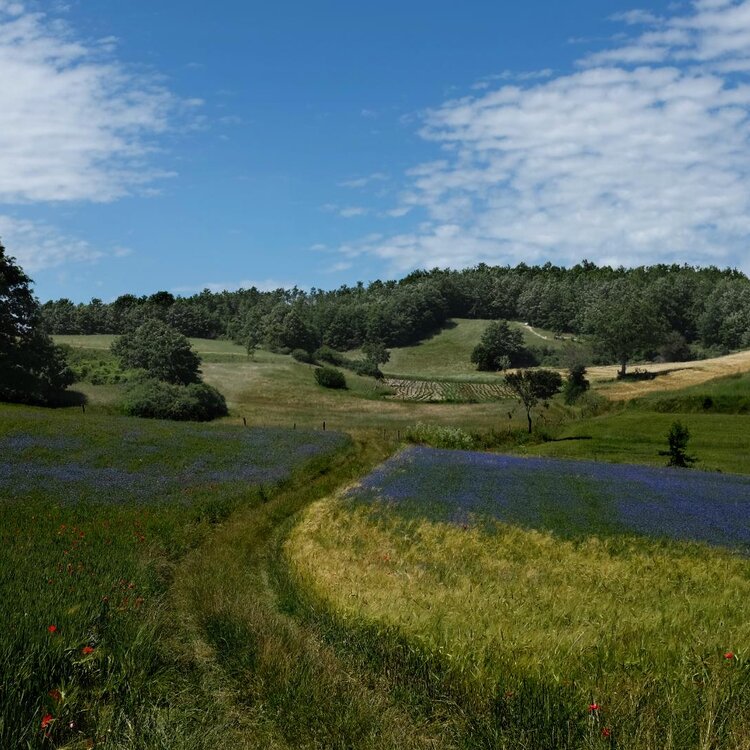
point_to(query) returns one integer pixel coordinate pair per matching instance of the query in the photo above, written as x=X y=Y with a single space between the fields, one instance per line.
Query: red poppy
x=606 y=732
x=593 y=707
x=729 y=655
x=47 y=719
x=52 y=629
x=86 y=650
x=55 y=694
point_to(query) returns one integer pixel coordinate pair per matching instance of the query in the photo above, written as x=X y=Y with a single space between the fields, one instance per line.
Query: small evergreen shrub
x=328 y=377
x=157 y=399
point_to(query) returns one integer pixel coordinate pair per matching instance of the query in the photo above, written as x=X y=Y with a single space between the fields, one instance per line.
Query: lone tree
x=32 y=368
x=499 y=348
x=376 y=352
x=624 y=323
x=678 y=437
x=162 y=351
x=530 y=387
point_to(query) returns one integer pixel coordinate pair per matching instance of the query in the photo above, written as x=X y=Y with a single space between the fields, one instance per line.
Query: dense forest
x=703 y=309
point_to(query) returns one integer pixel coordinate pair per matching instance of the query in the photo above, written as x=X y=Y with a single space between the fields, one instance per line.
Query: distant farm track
x=675 y=375
x=435 y=390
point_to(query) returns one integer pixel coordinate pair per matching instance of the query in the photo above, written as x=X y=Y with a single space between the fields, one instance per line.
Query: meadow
x=95 y=515
x=559 y=604
x=229 y=595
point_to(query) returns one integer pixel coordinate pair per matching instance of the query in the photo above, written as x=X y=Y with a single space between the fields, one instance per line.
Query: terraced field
x=432 y=391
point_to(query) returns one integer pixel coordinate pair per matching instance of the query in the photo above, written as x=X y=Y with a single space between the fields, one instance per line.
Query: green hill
x=448 y=352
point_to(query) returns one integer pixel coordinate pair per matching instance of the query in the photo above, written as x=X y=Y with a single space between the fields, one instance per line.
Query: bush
x=576 y=385
x=302 y=356
x=330 y=378
x=327 y=354
x=440 y=437
x=157 y=399
x=364 y=367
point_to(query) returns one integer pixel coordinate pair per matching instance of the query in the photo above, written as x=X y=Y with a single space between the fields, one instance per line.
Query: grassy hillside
x=448 y=352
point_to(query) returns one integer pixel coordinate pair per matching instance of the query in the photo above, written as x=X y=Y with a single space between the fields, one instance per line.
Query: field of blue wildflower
x=558 y=603
x=95 y=513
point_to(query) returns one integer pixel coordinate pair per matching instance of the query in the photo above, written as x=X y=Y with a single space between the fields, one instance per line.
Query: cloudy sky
x=183 y=145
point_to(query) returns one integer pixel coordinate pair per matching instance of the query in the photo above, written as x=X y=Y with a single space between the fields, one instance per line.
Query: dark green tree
x=624 y=324
x=530 y=387
x=576 y=384
x=677 y=438
x=499 y=348
x=32 y=368
x=376 y=352
x=160 y=350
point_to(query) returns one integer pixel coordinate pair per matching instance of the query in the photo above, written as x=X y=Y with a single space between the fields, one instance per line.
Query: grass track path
x=273 y=678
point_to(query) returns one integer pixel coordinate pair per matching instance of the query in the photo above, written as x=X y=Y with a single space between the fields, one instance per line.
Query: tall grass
x=528 y=631
x=96 y=515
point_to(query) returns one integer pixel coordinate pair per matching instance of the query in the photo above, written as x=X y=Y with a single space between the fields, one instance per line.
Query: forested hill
x=707 y=307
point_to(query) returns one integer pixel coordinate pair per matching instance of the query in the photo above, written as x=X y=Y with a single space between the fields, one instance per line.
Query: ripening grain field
x=95 y=514
x=558 y=604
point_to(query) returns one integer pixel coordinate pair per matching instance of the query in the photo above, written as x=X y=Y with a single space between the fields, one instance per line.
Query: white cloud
x=641 y=156
x=37 y=246
x=360 y=182
x=349 y=212
x=74 y=123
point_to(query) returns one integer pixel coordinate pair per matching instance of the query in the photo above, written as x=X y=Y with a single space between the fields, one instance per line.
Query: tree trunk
x=528 y=416
x=623 y=365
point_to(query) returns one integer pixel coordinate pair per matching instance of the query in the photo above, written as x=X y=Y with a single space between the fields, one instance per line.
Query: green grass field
x=96 y=515
x=210 y=630
x=448 y=352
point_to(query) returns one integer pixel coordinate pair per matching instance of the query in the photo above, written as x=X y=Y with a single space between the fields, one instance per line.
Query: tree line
x=706 y=308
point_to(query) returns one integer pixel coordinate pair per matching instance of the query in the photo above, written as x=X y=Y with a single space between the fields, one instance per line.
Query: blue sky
x=183 y=145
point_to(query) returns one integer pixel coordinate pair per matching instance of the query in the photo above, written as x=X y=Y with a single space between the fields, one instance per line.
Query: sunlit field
x=559 y=604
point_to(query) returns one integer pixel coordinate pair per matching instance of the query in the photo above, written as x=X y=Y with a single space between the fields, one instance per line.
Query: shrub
x=157 y=399
x=576 y=385
x=328 y=377
x=440 y=437
x=327 y=354
x=302 y=356
x=364 y=367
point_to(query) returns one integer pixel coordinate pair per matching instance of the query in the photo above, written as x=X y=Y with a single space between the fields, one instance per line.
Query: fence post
x=324 y=425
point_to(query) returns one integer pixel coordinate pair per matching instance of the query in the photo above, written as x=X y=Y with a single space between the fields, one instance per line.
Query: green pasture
x=448 y=352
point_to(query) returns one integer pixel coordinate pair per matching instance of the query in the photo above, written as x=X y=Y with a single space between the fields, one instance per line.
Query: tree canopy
x=160 y=350
x=500 y=347
x=530 y=387
x=625 y=323
x=32 y=368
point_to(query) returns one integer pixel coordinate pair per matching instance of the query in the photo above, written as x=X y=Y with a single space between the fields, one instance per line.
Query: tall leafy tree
x=531 y=387
x=32 y=368
x=160 y=350
x=625 y=323
x=499 y=348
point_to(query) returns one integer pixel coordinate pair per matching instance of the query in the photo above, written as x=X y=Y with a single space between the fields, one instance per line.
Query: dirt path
x=536 y=333
x=675 y=375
